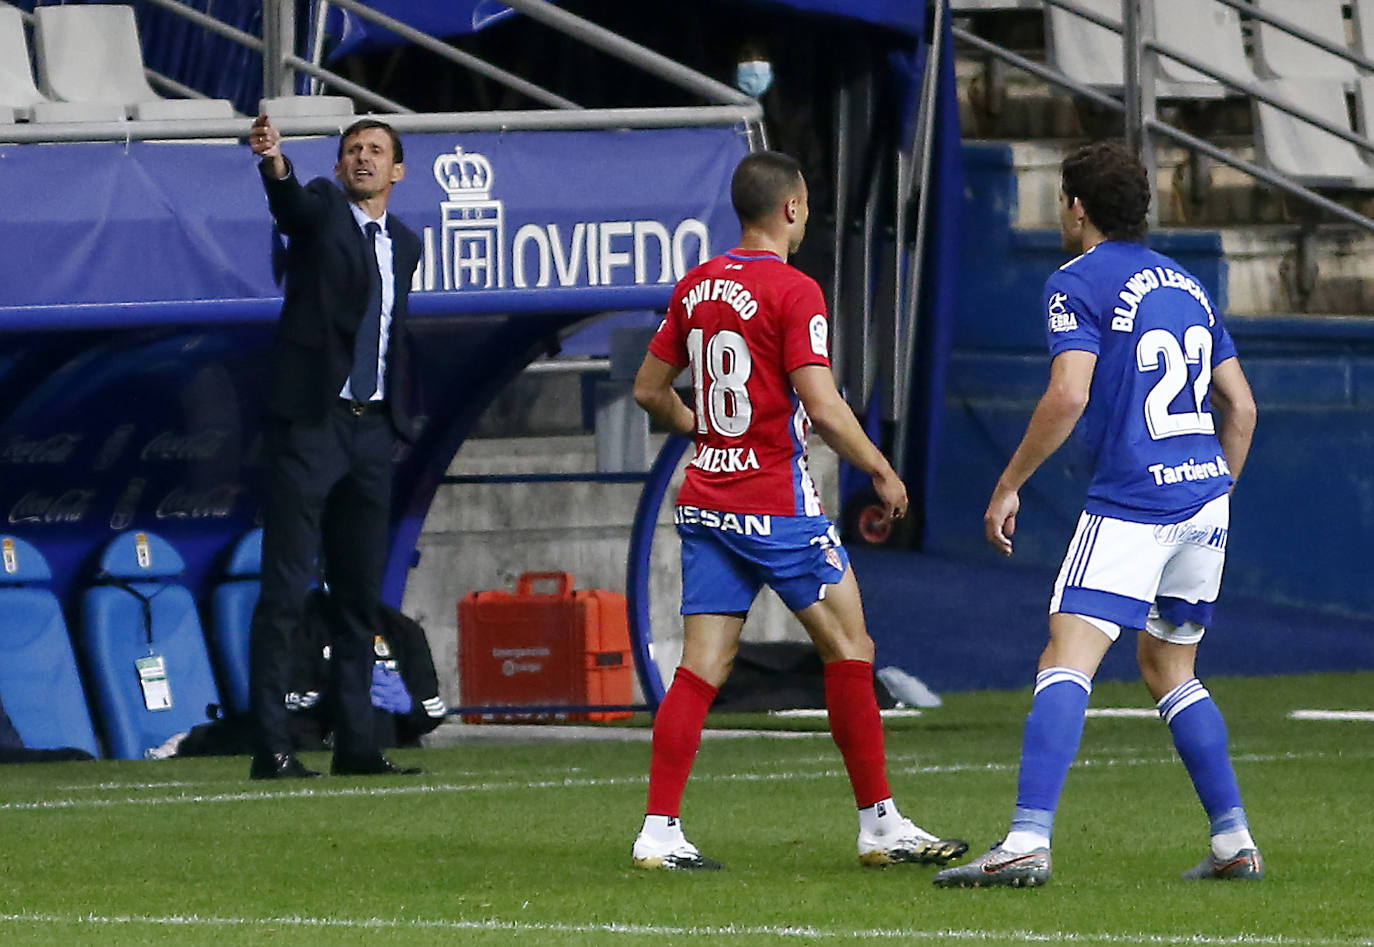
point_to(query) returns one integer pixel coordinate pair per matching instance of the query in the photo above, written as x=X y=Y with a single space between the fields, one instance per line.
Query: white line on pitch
x=717 y=931
x=820 y=713
x=1332 y=715
x=419 y=789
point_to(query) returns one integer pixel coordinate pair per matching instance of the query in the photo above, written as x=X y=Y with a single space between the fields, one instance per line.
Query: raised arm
x=834 y=421
x=295 y=208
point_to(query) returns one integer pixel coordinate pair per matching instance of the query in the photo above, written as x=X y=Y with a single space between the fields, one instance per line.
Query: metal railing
x=1137 y=102
x=726 y=105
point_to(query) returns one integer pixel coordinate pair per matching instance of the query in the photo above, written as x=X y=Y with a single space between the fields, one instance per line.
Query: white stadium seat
x=1305 y=153
x=305 y=106
x=1364 y=110
x=19 y=96
x=1280 y=55
x=961 y=7
x=1092 y=54
x=1363 y=12
x=91 y=54
x=1207 y=31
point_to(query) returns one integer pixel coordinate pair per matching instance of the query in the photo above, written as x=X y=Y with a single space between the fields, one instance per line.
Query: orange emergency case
x=541 y=648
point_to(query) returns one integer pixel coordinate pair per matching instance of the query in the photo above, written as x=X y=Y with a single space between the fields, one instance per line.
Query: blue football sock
x=1054 y=729
x=1200 y=736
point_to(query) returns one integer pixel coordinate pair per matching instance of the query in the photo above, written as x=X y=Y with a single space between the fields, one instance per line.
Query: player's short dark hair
x=362 y=125
x=1114 y=188
x=762 y=181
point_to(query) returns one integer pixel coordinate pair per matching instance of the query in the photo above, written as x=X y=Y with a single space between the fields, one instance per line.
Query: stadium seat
x=1364 y=110
x=134 y=617
x=305 y=106
x=1207 y=31
x=39 y=682
x=1280 y=55
x=1092 y=54
x=1308 y=154
x=20 y=99
x=1362 y=12
x=232 y=615
x=91 y=54
x=18 y=94
x=961 y=7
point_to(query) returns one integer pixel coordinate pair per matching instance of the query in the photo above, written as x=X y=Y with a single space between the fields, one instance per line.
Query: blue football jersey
x=1148 y=421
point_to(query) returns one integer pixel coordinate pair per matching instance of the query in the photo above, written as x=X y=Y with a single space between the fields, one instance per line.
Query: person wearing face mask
x=753 y=69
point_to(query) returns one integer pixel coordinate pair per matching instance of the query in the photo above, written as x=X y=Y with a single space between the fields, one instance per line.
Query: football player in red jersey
x=754 y=333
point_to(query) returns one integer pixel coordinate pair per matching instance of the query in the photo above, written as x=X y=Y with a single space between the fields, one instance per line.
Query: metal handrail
x=1292 y=29
x=631 y=52
x=446 y=122
x=475 y=63
x=1231 y=82
x=728 y=107
x=906 y=319
x=1168 y=131
x=167 y=82
x=211 y=23
x=344 y=85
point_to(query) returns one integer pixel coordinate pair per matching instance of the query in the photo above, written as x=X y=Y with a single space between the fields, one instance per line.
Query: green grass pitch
x=529 y=844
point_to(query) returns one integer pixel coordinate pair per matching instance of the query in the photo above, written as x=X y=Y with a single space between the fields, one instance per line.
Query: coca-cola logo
x=169 y=445
x=49 y=450
x=37 y=507
x=184 y=503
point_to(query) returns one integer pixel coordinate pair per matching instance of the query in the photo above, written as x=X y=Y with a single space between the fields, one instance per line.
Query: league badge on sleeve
x=820 y=331
x=1062 y=318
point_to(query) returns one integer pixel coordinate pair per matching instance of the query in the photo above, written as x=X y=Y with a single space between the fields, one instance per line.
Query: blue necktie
x=363 y=379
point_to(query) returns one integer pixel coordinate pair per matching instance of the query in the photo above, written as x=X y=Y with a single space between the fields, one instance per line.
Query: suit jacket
x=326 y=292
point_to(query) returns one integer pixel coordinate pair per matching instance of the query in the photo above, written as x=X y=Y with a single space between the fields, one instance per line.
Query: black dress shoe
x=375 y=765
x=279 y=766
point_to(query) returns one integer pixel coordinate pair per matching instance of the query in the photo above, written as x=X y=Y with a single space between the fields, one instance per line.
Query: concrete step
x=1278 y=260
x=1282 y=256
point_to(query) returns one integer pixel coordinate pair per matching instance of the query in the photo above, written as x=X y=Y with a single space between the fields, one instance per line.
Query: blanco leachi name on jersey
x=1146 y=282
x=733 y=294
x=1189 y=470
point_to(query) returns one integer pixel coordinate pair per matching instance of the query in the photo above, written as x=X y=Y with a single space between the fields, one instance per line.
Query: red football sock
x=677 y=735
x=857 y=728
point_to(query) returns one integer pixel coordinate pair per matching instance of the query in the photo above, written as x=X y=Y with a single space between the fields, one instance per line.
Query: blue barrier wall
x=1305 y=506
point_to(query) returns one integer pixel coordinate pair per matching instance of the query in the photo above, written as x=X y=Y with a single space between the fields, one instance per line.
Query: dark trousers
x=328 y=489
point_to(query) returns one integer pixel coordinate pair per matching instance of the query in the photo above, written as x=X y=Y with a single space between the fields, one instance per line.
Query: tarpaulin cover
x=459 y=17
x=106 y=222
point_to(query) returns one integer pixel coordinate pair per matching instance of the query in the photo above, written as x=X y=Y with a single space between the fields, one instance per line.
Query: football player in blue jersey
x=1140 y=360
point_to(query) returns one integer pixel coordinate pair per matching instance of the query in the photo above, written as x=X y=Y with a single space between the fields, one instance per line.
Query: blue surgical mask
x=754 y=77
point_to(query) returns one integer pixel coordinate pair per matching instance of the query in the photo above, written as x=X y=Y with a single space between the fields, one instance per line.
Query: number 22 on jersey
x=721 y=366
x=1158 y=345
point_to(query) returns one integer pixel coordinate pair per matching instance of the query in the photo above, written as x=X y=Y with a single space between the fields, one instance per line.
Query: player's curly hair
x=762 y=181
x=1114 y=188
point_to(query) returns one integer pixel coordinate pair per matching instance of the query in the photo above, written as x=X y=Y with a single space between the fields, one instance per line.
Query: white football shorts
x=1163 y=578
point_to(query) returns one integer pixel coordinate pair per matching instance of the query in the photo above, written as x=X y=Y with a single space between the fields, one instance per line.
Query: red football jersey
x=743 y=321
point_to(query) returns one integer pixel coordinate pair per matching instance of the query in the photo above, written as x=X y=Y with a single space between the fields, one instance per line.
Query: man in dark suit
x=335 y=403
